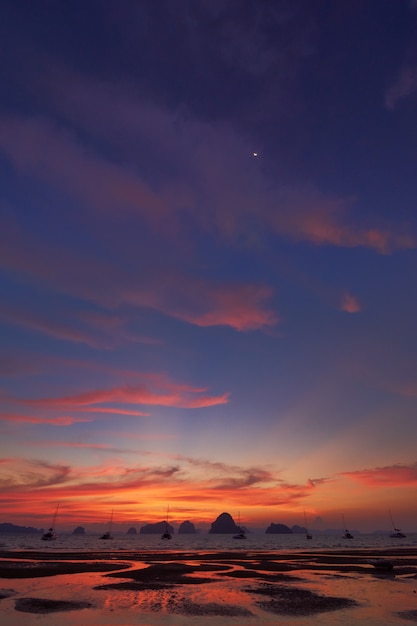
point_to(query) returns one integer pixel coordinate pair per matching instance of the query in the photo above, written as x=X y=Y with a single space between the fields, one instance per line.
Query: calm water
x=201 y=541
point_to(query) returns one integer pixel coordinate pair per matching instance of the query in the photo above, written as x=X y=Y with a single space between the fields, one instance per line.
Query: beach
x=373 y=587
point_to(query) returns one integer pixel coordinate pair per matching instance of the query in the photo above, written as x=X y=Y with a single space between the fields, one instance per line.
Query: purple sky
x=208 y=258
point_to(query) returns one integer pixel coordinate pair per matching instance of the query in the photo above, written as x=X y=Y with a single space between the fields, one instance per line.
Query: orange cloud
x=252 y=487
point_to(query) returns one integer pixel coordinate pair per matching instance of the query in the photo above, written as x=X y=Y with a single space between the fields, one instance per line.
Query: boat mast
x=55 y=516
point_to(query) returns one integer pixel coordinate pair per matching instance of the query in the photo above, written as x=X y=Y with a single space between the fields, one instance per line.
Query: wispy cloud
x=173 y=293
x=32 y=419
x=226 y=194
x=22 y=475
x=253 y=485
x=404 y=86
x=54 y=156
x=350 y=303
x=388 y=476
x=131 y=394
x=242 y=308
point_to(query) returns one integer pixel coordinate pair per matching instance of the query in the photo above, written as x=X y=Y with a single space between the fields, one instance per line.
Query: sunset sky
x=208 y=254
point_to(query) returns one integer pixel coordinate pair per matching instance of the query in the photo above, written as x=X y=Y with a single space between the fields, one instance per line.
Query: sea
x=201 y=542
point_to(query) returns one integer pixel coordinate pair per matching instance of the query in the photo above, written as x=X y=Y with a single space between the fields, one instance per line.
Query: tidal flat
x=229 y=587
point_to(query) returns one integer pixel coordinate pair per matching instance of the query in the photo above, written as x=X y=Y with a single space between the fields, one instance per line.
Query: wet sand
x=346 y=586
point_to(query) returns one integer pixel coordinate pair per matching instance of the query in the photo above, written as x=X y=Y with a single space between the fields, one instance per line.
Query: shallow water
x=201 y=542
x=379 y=600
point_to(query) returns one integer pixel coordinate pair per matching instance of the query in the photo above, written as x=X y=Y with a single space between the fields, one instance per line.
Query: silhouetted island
x=6 y=527
x=132 y=531
x=156 y=529
x=278 y=529
x=186 y=528
x=298 y=530
x=80 y=530
x=224 y=524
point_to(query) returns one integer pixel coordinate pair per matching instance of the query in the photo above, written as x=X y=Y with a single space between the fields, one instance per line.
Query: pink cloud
x=113 y=411
x=242 y=307
x=389 y=476
x=216 y=186
x=213 y=156
x=30 y=419
x=309 y=216
x=49 y=326
x=103 y=447
x=350 y=303
x=130 y=394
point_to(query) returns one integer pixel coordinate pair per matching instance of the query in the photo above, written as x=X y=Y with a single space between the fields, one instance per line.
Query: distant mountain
x=156 y=529
x=224 y=524
x=298 y=529
x=12 y=528
x=80 y=530
x=132 y=531
x=278 y=529
x=186 y=528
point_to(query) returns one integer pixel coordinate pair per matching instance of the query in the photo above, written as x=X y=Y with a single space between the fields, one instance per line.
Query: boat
x=396 y=532
x=241 y=533
x=166 y=534
x=107 y=534
x=308 y=535
x=346 y=534
x=50 y=534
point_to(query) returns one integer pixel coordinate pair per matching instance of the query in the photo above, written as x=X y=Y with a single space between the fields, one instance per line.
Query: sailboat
x=107 y=534
x=240 y=534
x=166 y=534
x=308 y=536
x=50 y=535
x=396 y=532
x=347 y=534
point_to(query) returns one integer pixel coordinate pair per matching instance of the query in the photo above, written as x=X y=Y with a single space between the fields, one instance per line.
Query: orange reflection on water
x=217 y=599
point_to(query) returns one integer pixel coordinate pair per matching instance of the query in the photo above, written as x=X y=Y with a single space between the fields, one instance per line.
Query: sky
x=208 y=254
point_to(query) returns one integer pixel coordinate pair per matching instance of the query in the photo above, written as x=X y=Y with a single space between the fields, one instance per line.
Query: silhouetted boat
x=107 y=534
x=166 y=534
x=241 y=533
x=308 y=536
x=396 y=532
x=50 y=535
x=346 y=534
